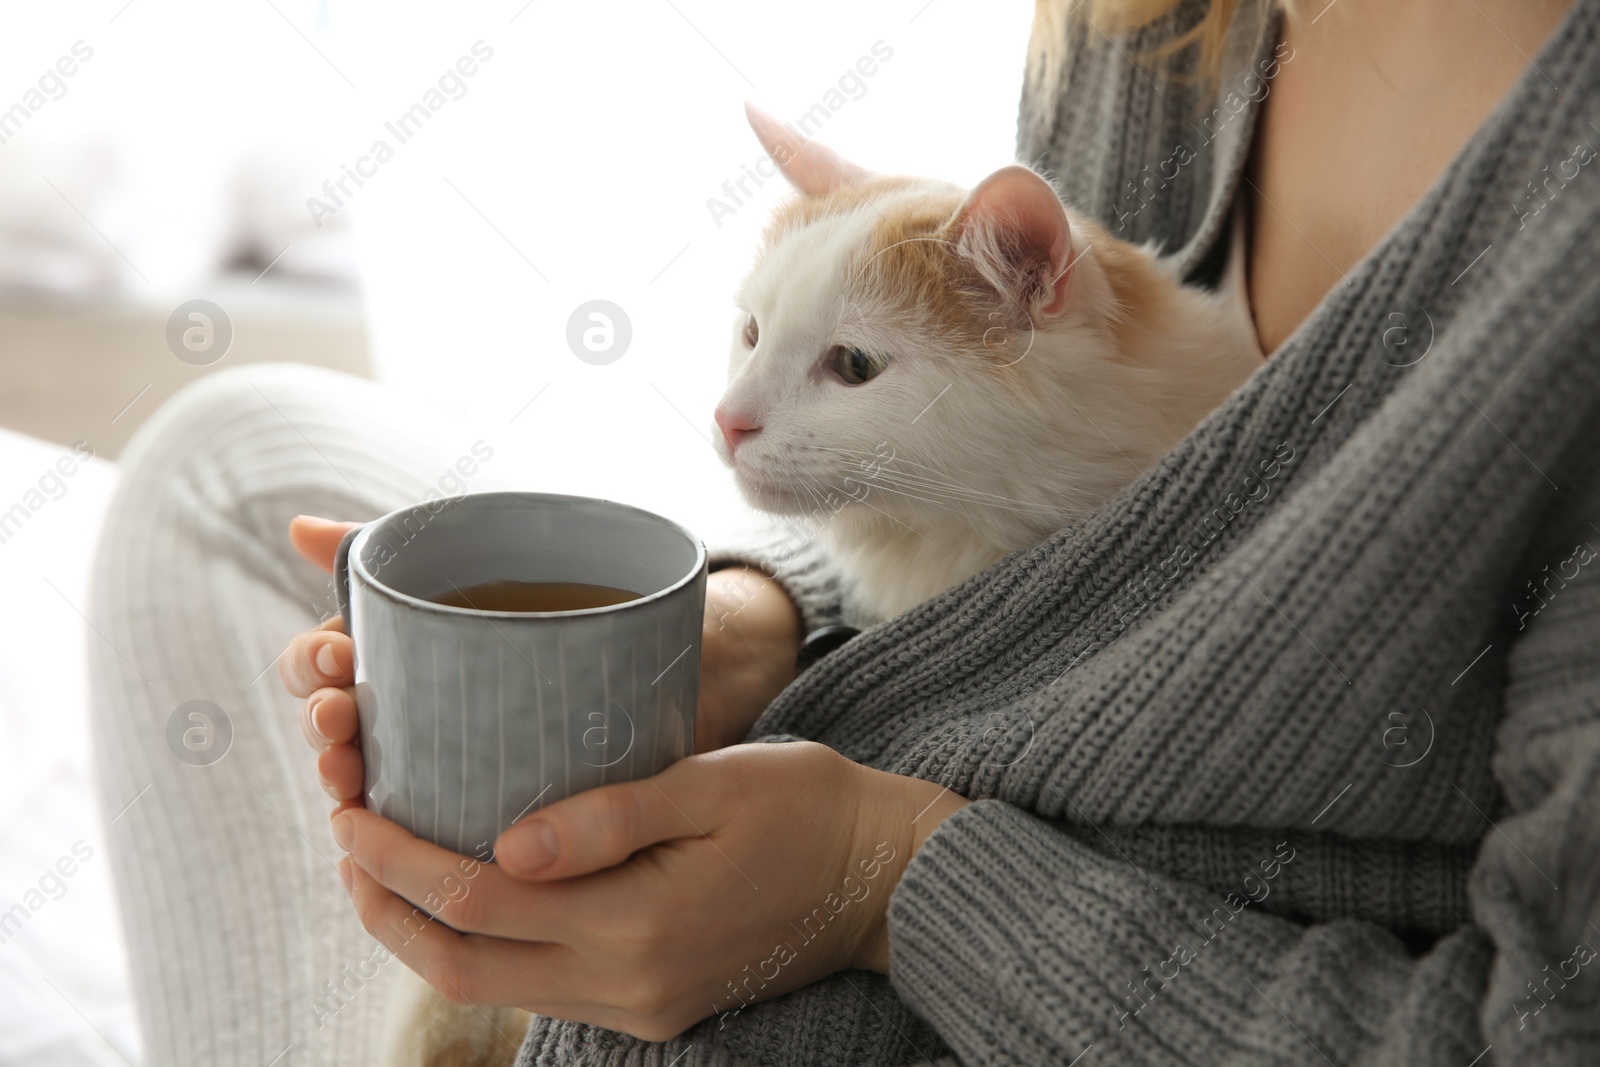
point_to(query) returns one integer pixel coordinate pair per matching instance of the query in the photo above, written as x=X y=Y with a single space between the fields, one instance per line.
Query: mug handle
x=341 y=577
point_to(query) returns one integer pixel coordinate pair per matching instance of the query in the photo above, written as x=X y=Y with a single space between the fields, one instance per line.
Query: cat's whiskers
x=911 y=479
x=820 y=494
x=797 y=483
x=879 y=460
x=862 y=500
x=834 y=500
x=876 y=455
x=948 y=506
x=817 y=501
x=963 y=492
x=941 y=496
x=966 y=514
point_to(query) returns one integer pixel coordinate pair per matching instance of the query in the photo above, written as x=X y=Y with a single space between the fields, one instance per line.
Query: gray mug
x=470 y=719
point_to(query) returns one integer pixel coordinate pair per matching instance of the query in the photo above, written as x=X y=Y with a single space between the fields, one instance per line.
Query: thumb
x=602 y=827
x=317 y=539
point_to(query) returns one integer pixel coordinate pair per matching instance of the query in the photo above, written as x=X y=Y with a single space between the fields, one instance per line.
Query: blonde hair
x=1210 y=34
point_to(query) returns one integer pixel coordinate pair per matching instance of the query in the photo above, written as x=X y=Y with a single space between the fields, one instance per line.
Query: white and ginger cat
x=940 y=375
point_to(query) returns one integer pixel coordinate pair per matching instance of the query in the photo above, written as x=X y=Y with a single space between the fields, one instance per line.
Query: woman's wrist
x=752 y=633
x=904 y=812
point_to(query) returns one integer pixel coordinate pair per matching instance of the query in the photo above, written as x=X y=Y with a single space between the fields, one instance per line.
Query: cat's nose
x=735 y=426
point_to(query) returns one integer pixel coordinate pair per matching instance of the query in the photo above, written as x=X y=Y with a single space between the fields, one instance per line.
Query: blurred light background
x=157 y=152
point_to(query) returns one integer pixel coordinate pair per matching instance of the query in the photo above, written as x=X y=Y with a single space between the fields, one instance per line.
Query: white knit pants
x=244 y=948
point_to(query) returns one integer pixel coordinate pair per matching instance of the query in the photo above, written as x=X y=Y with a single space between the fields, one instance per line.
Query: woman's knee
x=228 y=460
x=195 y=415
x=241 y=451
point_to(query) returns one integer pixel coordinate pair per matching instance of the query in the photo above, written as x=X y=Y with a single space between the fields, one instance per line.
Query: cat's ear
x=1015 y=231
x=812 y=168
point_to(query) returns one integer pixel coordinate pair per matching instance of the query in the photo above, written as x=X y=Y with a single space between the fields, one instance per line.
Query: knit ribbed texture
x=243 y=947
x=1149 y=705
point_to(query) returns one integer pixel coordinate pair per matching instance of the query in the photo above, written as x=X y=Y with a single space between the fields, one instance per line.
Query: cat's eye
x=856 y=366
x=751 y=333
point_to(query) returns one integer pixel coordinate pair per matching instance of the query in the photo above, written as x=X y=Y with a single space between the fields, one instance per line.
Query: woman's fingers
x=317 y=539
x=317 y=658
x=330 y=718
x=545 y=978
x=469 y=895
x=342 y=772
x=472 y=969
x=331 y=724
x=347 y=805
x=602 y=827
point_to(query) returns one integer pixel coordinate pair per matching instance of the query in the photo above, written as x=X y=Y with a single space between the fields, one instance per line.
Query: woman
x=1290 y=753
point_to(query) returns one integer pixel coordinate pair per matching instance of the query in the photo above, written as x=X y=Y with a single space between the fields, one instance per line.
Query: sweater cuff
x=949 y=942
x=797 y=561
x=1005 y=932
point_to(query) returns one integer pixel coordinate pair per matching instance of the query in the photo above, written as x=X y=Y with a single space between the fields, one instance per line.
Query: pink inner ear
x=812 y=168
x=1029 y=227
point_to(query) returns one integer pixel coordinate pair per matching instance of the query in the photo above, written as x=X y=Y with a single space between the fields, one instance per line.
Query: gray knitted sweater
x=1290 y=753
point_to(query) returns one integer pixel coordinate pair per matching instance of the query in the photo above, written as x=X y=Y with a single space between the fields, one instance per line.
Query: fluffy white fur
x=972 y=442
x=422 y=1029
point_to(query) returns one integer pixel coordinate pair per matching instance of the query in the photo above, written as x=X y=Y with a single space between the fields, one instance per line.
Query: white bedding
x=64 y=997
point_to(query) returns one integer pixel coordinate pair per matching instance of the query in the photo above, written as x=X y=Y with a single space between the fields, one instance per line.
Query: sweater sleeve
x=1020 y=944
x=799 y=561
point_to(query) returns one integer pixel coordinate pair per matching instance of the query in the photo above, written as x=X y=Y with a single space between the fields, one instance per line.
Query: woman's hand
x=647 y=906
x=320 y=666
x=748 y=645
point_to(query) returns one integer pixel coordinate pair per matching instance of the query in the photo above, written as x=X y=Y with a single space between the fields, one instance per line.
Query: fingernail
x=327 y=787
x=314 y=727
x=344 y=874
x=325 y=662
x=530 y=847
x=343 y=831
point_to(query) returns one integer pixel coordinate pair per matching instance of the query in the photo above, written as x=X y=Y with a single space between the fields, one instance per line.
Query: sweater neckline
x=1236 y=275
x=1253 y=44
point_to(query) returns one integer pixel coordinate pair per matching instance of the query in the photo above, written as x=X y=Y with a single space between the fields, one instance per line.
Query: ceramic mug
x=470 y=719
